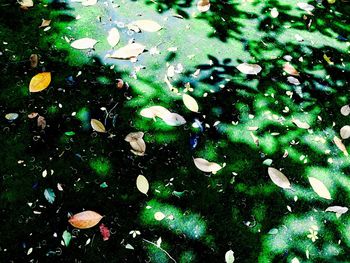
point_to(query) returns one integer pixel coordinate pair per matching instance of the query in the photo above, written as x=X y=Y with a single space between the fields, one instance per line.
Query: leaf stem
x=154 y=244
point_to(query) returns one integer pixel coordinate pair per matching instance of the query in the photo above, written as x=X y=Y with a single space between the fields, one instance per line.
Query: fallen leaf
x=345 y=110
x=32 y=115
x=45 y=23
x=113 y=37
x=274 y=12
x=97 y=125
x=49 y=195
x=289 y=68
x=40 y=82
x=11 y=116
x=26 y=3
x=132 y=136
x=306 y=7
x=105 y=232
x=138 y=147
x=229 y=257
x=340 y=145
x=278 y=178
x=174 y=119
x=190 y=103
x=66 y=236
x=206 y=166
x=159 y=216
x=142 y=184
x=34 y=59
x=89 y=2
x=203 y=5
x=128 y=51
x=319 y=188
x=301 y=124
x=86 y=219
x=154 y=111
x=147 y=25
x=84 y=43
x=293 y=80
x=41 y=122
x=345 y=132
x=339 y=210
x=249 y=69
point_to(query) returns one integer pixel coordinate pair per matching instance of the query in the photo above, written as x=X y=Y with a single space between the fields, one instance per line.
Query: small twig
x=109 y=112
x=154 y=244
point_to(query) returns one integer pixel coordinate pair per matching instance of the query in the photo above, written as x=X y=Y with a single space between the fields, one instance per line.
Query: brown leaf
x=45 y=23
x=203 y=5
x=41 y=122
x=32 y=115
x=34 y=59
x=86 y=219
x=133 y=136
x=287 y=67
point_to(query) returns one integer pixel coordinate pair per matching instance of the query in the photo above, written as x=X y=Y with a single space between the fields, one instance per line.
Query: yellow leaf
x=40 y=82
x=190 y=103
x=319 y=188
x=142 y=184
x=85 y=219
x=97 y=125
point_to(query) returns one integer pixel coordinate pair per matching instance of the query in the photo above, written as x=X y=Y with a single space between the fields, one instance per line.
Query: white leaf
x=26 y=3
x=301 y=124
x=128 y=246
x=293 y=81
x=229 y=257
x=345 y=110
x=339 y=210
x=190 y=103
x=319 y=188
x=113 y=37
x=174 y=119
x=129 y=51
x=205 y=166
x=154 y=111
x=159 y=242
x=295 y=260
x=278 y=178
x=345 y=132
x=340 y=145
x=250 y=69
x=159 y=216
x=274 y=12
x=142 y=184
x=306 y=7
x=147 y=25
x=84 y=43
x=89 y=2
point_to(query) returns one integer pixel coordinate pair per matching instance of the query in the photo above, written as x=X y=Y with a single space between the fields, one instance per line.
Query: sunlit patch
x=101 y=166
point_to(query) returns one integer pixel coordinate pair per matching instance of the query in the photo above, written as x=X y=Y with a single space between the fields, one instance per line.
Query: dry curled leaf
x=340 y=145
x=133 y=136
x=278 y=178
x=41 y=122
x=319 y=188
x=142 y=184
x=339 y=210
x=32 y=115
x=86 y=219
x=97 y=125
x=40 y=82
x=203 y=5
x=206 y=166
x=34 y=59
x=137 y=143
x=147 y=25
x=249 y=69
x=129 y=51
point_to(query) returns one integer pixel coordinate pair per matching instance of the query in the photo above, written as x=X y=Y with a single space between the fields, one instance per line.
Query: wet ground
x=291 y=116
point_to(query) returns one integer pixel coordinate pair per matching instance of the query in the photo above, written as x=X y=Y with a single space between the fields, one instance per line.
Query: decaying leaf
x=301 y=124
x=133 y=136
x=41 y=122
x=32 y=115
x=142 y=184
x=137 y=143
x=113 y=37
x=84 y=43
x=339 y=210
x=340 y=145
x=229 y=257
x=129 y=51
x=206 y=166
x=97 y=125
x=40 y=82
x=345 y=132
x=105 y=232
x=289 y=68
x=278 y=178
x=345 y=110
x=34 y=59
x=190 y=103
x=86 y=219
x=319 y=188
x=147 y=25
x=203 y=5
x=249 y=69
